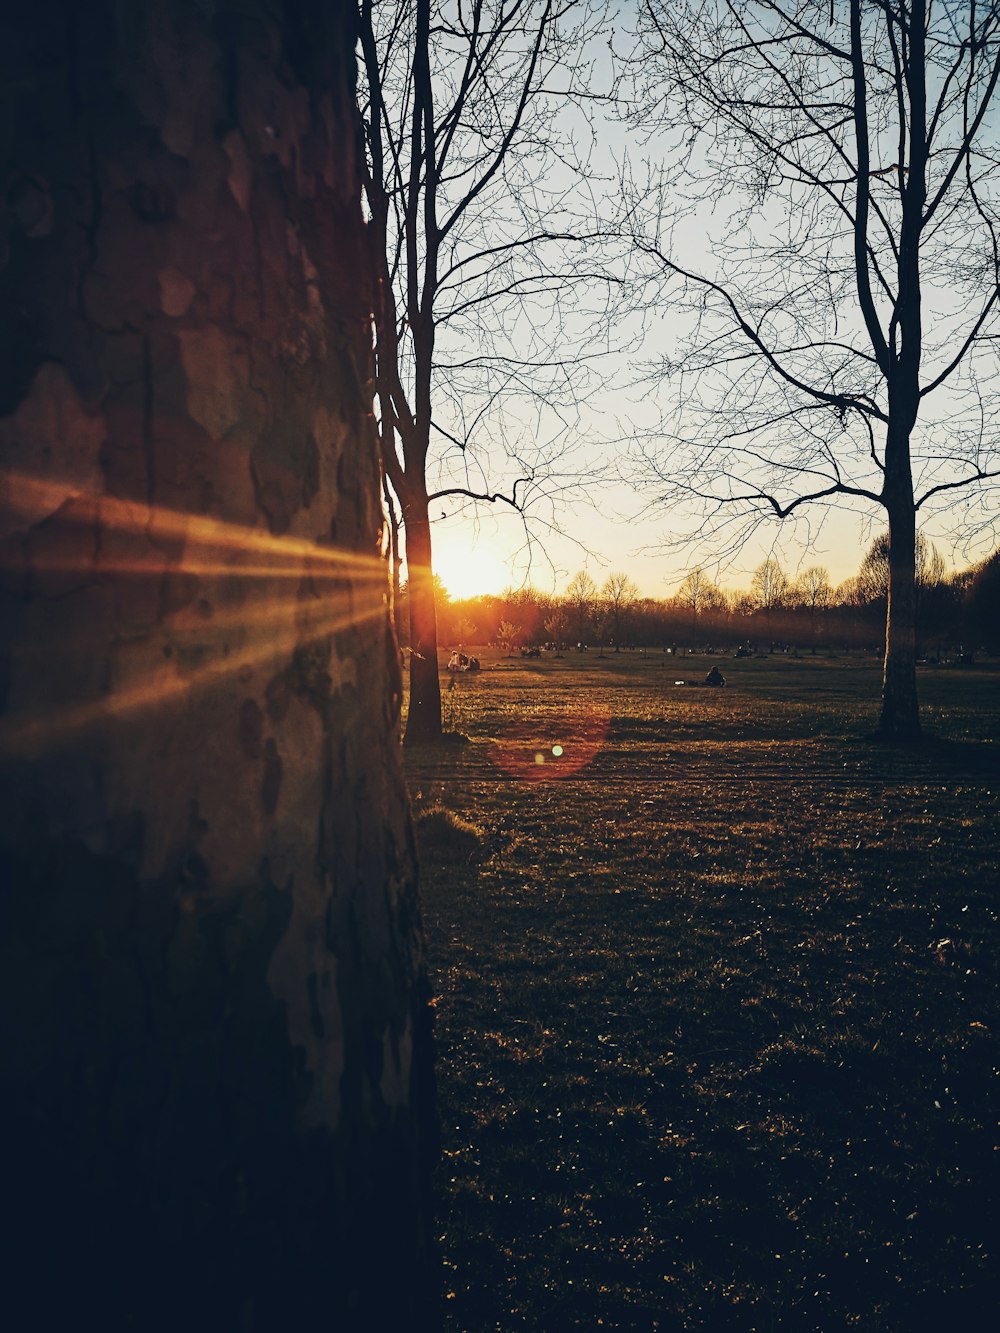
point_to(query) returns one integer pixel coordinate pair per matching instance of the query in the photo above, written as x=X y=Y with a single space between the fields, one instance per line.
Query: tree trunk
x=900 y=717
x=423 y=721
x=390 y=505
x=215 y=1067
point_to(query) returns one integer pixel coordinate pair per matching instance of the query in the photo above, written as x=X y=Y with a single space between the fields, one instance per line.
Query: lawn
x=716 y=997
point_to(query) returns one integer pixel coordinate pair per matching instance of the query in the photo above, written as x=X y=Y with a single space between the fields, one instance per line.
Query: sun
x=469 y=569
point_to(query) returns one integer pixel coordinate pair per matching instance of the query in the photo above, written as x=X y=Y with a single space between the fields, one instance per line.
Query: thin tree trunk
x=900 y=717
x=424 y=718
x=215 y=1066
x=394 y=553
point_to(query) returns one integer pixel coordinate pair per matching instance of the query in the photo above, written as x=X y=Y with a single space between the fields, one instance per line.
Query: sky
x=604 y=525
x=487 y=554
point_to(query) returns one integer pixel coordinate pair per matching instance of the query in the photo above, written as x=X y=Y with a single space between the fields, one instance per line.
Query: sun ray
x=198 y=644
x=27 y=733
x=35 y=498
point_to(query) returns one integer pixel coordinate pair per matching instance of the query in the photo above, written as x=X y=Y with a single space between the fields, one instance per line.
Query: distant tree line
x=957 y=612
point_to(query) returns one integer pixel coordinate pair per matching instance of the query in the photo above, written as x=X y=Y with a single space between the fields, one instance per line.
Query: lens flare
x=554 y=746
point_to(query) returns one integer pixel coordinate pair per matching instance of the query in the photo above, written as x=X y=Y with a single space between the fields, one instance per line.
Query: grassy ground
x=717 y=998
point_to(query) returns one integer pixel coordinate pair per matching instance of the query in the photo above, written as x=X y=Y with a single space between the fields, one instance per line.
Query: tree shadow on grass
x=932 y=755
x=976 y=758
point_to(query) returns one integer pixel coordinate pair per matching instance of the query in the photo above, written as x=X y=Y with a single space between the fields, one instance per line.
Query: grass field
x=716 y=997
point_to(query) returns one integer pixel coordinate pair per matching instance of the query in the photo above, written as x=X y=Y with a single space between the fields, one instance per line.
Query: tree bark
x=900 y=716
x=215 y=1066
x=423 y=721
x=394 y=555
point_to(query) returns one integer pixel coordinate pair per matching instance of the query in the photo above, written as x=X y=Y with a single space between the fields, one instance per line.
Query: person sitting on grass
x=715 y=677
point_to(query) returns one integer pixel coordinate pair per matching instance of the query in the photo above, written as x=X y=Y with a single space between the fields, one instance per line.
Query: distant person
x=715 y=677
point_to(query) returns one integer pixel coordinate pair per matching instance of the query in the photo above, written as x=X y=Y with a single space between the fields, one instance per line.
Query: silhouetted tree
x=982 y=605
x=873 y=574
x=556 y=626
x=769 y=589
x=841 y=348
x=462 y=142
x=872 y=583
x=815 y=593
x=618 y=595
x=581 y=596
x=697 y=593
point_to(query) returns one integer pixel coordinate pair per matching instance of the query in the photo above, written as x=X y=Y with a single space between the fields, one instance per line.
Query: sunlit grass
x=444 y=837
x=717 y=1012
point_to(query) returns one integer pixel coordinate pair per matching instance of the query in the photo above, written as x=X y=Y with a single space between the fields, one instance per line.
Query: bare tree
x=769 y=589
x=872 y=581
x=507 y=635
x=474 y=290
x=556 y=625
x=841 y=345
x=813 y=590
x=619 y=595
x=873 y=574
x=982 y=608
x=581 y=595
x=696 y=594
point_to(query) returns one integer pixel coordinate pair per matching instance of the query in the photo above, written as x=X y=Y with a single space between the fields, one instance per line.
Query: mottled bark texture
x=215 y=1078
